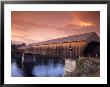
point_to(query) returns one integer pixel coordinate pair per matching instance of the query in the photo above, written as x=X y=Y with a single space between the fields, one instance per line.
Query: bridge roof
x=92 y=36
x=88 y=37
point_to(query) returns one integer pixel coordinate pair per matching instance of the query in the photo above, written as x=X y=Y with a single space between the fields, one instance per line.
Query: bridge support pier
x=70 y=66
x=23 y=58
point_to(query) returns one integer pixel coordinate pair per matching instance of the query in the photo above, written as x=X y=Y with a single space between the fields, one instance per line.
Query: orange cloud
x=85 y=24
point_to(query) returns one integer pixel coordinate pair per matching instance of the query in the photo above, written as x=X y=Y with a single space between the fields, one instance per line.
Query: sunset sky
x=37 y=26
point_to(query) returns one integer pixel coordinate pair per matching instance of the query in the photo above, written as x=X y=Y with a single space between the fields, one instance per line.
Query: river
x=43 y=67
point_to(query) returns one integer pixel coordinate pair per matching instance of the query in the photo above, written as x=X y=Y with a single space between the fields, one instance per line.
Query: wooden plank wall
x=60 y=49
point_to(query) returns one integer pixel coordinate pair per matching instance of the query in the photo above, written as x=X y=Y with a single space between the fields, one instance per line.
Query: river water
x=51 y=67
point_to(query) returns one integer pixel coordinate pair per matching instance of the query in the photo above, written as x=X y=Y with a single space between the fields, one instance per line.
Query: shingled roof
x=92 y=36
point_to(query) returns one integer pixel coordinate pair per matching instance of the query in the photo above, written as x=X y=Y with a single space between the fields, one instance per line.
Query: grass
x=88 y=66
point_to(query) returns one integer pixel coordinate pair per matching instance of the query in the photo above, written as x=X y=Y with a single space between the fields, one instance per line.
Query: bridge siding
x=61 y=49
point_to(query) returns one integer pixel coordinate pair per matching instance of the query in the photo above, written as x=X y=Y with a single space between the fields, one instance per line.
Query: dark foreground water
x=51 y=67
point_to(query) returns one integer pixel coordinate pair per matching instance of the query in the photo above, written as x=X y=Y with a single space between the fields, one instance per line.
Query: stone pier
x=70 y=66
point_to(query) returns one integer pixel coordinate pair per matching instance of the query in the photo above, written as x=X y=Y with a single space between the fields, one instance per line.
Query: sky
x=37 y=26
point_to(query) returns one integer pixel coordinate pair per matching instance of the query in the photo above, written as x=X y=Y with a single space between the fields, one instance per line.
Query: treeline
x=14 y=48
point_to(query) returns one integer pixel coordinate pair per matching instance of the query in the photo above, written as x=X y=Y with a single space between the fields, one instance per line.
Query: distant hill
x=16 y=42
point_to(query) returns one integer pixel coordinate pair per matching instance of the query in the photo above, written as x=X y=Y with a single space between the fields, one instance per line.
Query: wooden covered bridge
x=71 y=46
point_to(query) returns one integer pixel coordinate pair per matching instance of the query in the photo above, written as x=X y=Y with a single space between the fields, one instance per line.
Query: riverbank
x=85 y=67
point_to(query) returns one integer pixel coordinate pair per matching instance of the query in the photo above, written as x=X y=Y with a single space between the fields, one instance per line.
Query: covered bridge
x=77 y=45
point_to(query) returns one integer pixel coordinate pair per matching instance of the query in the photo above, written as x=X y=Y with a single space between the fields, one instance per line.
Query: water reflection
x=50 y=67
x=15 y=70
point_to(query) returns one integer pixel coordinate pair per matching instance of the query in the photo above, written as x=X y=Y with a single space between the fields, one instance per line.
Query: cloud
x=39 y=26
x=85 y=17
